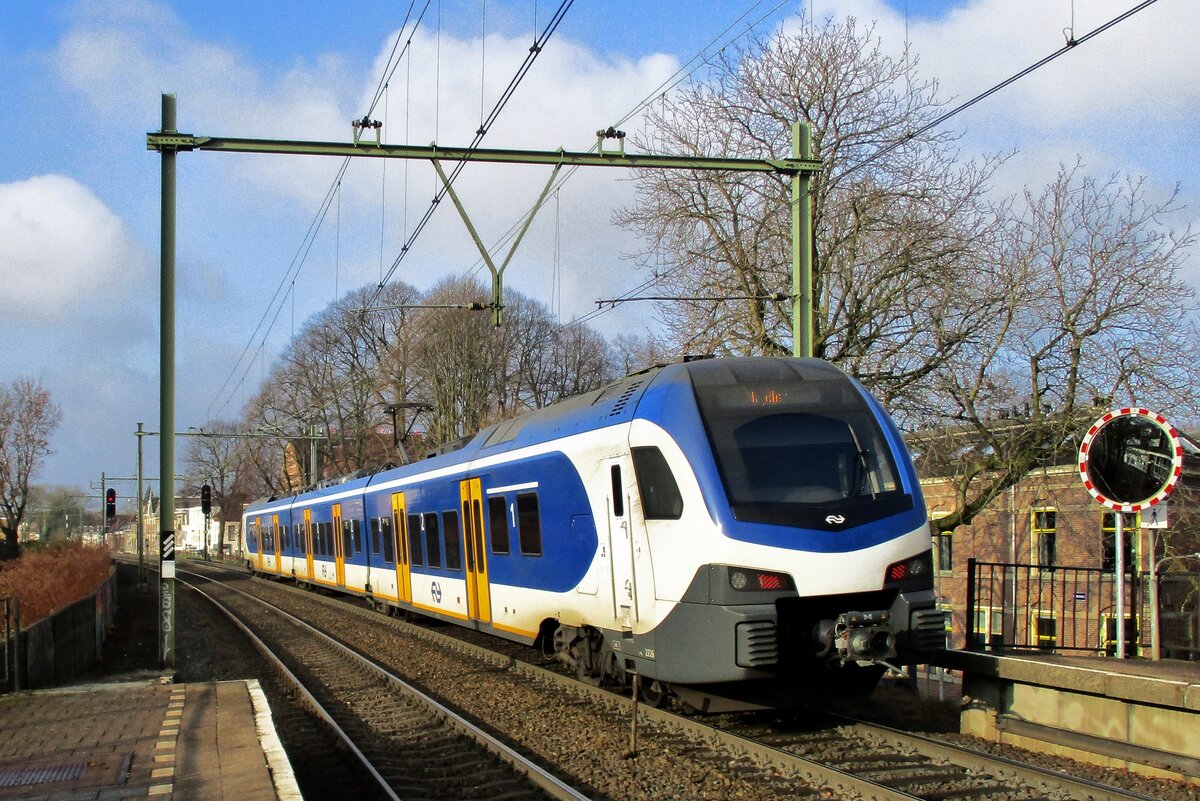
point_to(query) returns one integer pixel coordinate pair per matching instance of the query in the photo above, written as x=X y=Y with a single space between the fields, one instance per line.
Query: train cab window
x=453 y=540
x=375 y=535
x=415 y=549
x=798 y=445
x=433 y=545
x=498 y=523
x=389 y=544
x=656 y=484
x=529 y=524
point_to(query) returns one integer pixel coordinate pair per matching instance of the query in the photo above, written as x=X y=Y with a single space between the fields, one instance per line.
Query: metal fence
x=1073 y=609
x=8 y=625
x=1179 y=615
x=1069 y=609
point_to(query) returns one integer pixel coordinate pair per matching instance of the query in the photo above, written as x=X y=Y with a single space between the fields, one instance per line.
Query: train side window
x=453 y=540
x=529 y=524
x=375 y=535
x=498 y=522
x=415 y=551
x=300 y=543
x=433 y=546
x=356 y=534
x=347 y=538
x=656 y=484
x=251 y=537
x=328 y=538
x=618 y=494
x=389 y=546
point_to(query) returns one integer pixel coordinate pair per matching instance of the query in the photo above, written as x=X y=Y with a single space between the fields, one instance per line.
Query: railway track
x=410 y=744
x=813 y=754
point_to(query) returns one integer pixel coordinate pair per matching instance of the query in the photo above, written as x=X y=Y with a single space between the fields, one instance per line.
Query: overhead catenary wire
x=1071 y=44
x=394 y=59
x=685 y=71
x=276 y=301
x=534 y=51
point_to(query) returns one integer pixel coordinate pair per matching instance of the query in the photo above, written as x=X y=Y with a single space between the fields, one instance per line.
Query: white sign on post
x=1155 y=516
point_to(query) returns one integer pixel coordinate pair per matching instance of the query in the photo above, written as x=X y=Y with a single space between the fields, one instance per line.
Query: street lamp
x=1155 y=645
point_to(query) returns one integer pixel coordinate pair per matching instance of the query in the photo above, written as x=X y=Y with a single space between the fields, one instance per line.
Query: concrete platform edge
x=282 y=775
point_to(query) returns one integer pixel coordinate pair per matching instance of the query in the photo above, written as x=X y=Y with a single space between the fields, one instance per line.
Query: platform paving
x=189 y=742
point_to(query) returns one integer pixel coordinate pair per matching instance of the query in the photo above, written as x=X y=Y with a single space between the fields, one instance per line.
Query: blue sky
x=80 y=85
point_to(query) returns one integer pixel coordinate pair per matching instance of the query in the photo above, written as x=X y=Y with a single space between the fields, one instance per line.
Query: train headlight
x=744 y=580
x=917 y=570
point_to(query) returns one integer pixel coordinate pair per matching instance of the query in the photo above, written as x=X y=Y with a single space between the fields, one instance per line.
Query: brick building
x=1049 y=520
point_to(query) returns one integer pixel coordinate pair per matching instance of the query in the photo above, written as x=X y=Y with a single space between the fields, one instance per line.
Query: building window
x=1108 y=540
x=1044 y=531
x=1047 y=632
x=943 y=547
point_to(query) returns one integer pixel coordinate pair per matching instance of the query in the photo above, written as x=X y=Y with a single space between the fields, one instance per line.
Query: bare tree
x=1097 y=314
x=330 y=379
x=990 y=333
x=27 y=418
x=896 y=235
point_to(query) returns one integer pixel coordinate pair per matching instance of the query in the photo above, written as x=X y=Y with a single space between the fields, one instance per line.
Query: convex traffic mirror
x=1130 y=459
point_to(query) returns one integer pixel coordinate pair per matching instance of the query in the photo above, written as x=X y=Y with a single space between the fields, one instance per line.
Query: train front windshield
x=796 y=444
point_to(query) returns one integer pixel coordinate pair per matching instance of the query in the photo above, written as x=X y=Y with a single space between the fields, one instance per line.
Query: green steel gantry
x=168 y=141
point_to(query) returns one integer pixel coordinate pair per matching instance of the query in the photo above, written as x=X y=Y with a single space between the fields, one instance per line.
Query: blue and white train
x=737 y=531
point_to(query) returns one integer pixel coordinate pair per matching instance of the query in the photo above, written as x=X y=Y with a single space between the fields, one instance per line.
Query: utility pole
x=166 y=393
x=140 y=535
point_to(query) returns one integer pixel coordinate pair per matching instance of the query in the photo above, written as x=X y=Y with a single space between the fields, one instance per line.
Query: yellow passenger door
x=339 y=555
x=479 y=604
x=308 y=542
x=400 y=532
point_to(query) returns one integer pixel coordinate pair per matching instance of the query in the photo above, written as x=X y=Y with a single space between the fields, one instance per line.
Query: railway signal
x=206 y=500
x=110 y=504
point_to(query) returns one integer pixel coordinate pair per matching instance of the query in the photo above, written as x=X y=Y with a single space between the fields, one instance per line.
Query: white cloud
x=62 y=250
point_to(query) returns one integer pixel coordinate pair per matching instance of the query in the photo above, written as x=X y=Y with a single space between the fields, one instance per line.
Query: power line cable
x=1071 y=44
x=534 y=51
x=394 y=60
